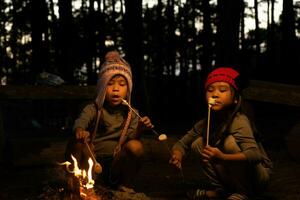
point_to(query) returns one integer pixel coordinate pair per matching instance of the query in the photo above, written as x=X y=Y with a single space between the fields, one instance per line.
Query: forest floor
x=156 y=179
x=30 y=170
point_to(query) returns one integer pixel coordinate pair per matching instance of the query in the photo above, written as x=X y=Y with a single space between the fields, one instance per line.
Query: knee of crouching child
x=135 y=148
x=197 y=146
x=230 y=145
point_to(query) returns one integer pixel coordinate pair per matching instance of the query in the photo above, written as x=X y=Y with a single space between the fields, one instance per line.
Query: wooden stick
x=97 y=166
x=208 y=124
x=156 y=133
x=211 y=101
x=90 y=151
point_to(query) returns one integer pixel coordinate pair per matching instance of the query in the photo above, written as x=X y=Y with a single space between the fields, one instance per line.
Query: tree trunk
x=91 y=40
x=184 y=50
x=134 y=48
x=171 y=47
x=289 y=63
x=228 y=32
x=160 y=43
x=100 y=28
x=272 y=11
x=13 y=38
x=242 y=29
x=268 y=13
x=257 y=36
x=53 y=31
x=207 y=35
x=66 y=40
x=39 y=35
x=113 y=21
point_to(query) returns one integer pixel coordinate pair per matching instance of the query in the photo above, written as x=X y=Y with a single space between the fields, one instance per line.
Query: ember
x=54 y=193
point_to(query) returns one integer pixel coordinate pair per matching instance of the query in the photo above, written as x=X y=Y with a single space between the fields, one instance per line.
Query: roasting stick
x=211 y=101
x=161 y=137
x=180 y=166
x=181 y=173
x=97 y=166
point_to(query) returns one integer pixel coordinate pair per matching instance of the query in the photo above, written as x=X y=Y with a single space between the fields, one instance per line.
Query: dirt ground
x=156 y=179
x=33 y=173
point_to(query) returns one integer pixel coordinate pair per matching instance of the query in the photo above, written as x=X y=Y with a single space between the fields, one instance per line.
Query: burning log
x=80 y=186
x=54 y=193
x=88 y=194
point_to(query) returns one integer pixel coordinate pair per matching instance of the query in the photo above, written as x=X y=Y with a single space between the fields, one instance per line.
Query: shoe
x=202 y=194
x=198 y=194
x=123 y=188
x=237 y=196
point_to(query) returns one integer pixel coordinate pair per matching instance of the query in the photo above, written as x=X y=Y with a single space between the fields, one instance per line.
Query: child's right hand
x=176 y=159
x=82 y=134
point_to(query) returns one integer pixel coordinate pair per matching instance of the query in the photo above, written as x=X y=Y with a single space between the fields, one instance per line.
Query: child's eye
x=223 y=89
x=210 y=89
x=110 y=83
x=122 y=83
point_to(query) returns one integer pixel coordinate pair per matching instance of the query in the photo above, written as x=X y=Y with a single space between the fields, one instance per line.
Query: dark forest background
x=169 y=56
x=171 y=47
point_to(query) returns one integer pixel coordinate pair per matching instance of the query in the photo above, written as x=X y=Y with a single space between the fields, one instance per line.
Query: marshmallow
x=211 y=101
x=162 y=137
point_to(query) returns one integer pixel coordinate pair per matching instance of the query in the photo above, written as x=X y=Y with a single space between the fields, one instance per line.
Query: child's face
x=222 y=93
x=116 y=90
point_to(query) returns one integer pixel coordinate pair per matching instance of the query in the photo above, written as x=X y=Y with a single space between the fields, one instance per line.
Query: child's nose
x=115 y=87
x=215 y=94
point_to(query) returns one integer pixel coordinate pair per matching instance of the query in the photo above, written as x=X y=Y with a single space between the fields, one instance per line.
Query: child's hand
x=176 y=159
x=145 y=123
x=82 y=134
x=212 y=154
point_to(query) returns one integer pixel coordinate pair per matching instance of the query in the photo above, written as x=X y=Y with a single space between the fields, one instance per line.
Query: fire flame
x=85 y=178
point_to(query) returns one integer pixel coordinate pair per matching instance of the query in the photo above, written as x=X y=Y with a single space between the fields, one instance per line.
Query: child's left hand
x=145 y=123
x=212 y=154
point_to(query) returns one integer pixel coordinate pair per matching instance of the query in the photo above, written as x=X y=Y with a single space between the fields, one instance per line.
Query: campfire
x=84 y=182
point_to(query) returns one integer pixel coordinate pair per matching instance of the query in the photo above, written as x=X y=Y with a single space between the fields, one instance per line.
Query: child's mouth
x=115 y=98
x=217 y=103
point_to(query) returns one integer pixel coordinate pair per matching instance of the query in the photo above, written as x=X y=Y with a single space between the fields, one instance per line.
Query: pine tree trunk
x=257 y=36
x=66 y=40
x=289 y=51
x=39 y=37
x=207 y=35
x=228 y=32
x=171 y=47
x=134 y=48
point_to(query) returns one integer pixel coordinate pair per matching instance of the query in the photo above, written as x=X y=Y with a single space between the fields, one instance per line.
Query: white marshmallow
x=211 y=101
x=162 y=137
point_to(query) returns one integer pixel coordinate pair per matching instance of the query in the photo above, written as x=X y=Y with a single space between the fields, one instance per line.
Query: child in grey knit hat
x=110 y=128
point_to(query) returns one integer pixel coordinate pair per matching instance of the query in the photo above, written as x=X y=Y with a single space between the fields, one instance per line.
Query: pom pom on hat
x=112 y=56
x=223 y=74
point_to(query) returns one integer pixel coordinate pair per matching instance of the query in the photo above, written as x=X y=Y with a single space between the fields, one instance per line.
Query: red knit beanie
x=223 y=74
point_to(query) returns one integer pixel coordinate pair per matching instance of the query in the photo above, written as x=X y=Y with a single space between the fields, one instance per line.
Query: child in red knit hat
x=109 y=128
x=235 y=164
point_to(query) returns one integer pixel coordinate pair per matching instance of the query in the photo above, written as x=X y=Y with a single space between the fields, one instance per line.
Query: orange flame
x=85 y=178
